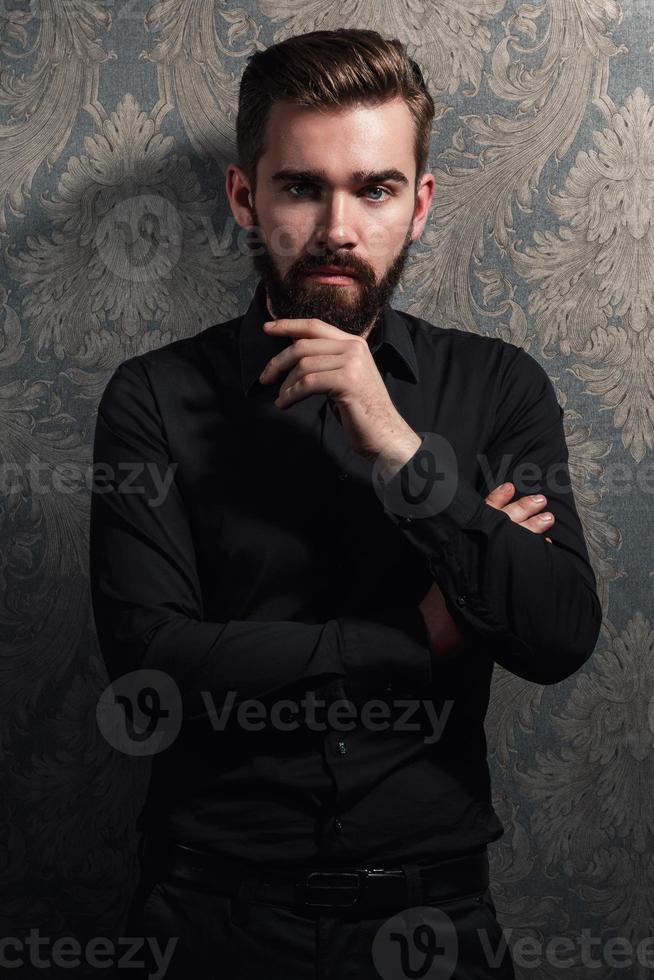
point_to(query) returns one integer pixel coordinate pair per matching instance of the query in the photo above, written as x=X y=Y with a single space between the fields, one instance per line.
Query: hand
x=445 y=636
x=522 y=511
x=323 y=358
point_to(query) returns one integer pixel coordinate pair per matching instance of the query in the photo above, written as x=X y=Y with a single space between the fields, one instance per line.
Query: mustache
x=310 y=265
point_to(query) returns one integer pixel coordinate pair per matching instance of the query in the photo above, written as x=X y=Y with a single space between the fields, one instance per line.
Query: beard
x=352 y=308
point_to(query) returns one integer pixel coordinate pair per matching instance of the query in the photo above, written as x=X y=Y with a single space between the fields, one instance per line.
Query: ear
x=424 y=198
x=239 y=194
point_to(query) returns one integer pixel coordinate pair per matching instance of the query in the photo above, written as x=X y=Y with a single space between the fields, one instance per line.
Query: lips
x=331 y=270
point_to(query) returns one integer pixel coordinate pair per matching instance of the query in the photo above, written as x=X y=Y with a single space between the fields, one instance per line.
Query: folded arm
x=530 y=603
x=147 y=598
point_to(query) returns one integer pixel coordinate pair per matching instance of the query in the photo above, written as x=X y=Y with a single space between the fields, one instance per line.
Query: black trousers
x=187 y=932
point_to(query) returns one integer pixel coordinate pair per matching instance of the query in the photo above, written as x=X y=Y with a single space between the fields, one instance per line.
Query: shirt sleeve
x=530 y=604
x=147 y=598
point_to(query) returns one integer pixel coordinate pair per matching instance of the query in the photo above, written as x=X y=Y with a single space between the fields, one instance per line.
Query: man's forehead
x=364 y=150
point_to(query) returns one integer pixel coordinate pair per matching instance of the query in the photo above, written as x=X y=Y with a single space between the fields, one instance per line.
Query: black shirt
x=274 y=568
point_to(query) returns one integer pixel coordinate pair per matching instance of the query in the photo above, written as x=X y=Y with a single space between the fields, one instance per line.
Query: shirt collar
x=391 y=338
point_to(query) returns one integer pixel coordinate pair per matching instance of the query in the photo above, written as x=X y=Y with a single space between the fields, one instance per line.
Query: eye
x=292 y=188
x=378 y=187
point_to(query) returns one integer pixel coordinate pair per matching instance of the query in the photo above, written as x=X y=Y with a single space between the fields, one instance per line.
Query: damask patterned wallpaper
x=120 y=116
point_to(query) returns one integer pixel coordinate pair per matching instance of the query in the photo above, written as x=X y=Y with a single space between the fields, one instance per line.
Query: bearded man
x=334 y=568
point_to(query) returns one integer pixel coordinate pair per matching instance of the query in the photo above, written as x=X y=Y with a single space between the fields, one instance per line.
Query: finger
x=524 y=508
x=278 y=365
x=310 y=365
x=500 y=495
x=549 y=539
x=316 y=382
x=539 y=523
x=302 y=327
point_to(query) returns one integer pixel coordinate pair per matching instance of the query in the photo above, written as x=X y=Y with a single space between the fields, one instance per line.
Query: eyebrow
x=358 y=176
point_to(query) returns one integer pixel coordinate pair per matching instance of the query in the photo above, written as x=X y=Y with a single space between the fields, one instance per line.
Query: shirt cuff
x=428 y=488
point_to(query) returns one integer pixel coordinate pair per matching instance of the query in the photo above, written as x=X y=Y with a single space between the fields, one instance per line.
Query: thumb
x=500 y=495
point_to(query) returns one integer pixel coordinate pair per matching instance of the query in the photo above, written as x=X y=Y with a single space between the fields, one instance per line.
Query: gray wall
x=541 y=233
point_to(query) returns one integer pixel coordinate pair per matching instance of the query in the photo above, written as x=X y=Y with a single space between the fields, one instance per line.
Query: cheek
x=384 y=238
x=287 y=232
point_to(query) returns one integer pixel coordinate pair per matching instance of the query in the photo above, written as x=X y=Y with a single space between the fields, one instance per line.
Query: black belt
x=309 y=890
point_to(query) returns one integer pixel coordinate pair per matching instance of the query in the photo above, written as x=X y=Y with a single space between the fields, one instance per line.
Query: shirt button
x=342 y=747
x=338 y=824
x=405 y=521
x=342 y=476
x=461 y=600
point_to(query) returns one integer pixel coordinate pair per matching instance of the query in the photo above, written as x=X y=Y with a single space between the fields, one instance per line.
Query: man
x=324 y=544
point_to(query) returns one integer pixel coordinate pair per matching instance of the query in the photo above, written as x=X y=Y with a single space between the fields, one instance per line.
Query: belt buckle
x=351 y=883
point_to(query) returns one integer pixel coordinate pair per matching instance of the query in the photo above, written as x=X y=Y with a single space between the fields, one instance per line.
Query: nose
x=336 y=230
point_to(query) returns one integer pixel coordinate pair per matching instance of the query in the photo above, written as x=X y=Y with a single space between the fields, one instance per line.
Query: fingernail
x=545 y=517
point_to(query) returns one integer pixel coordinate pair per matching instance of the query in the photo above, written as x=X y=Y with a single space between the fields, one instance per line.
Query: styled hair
x=338 y=68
